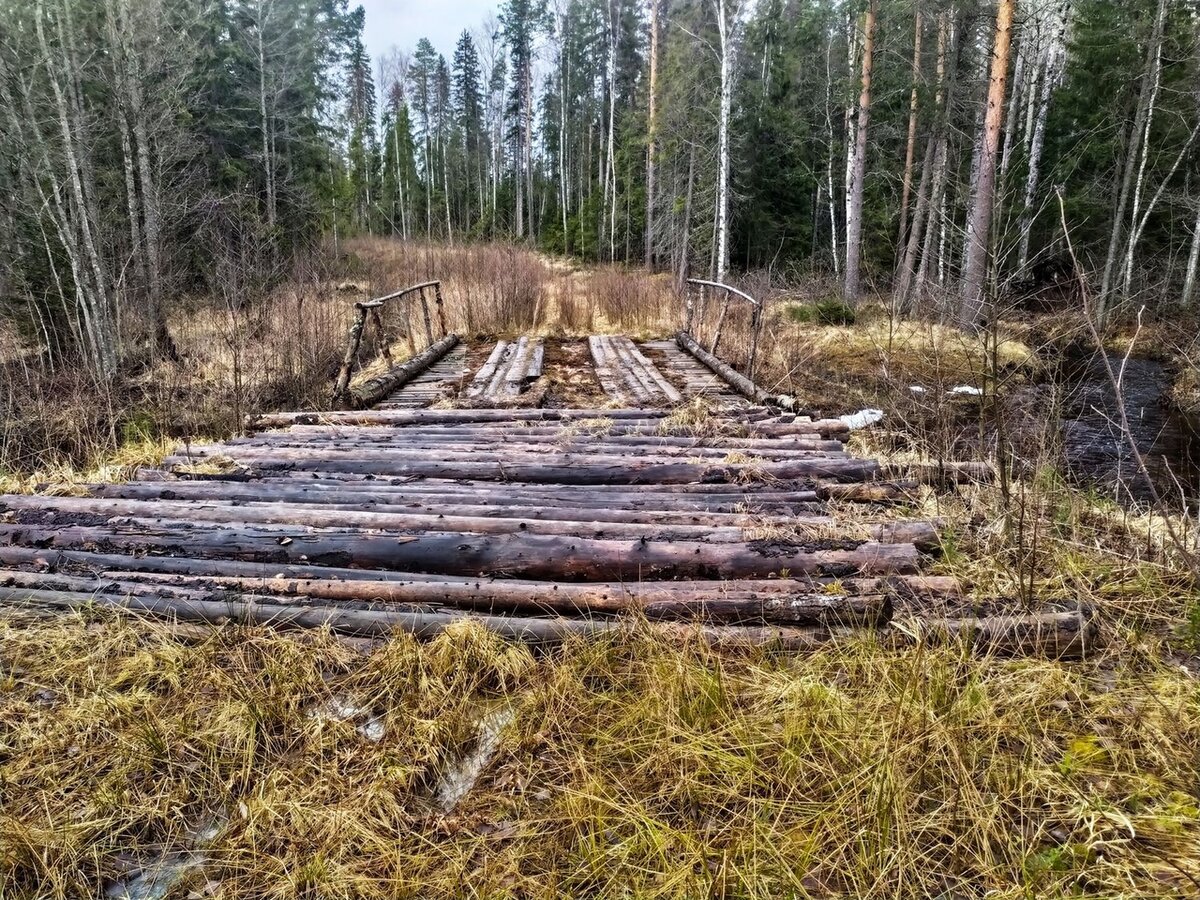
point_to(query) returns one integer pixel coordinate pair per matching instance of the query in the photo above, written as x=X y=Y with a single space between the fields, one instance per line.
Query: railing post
x=441 y=314
x=425 y=313
x=352 y=344
x=384 y=342
x=755 y=328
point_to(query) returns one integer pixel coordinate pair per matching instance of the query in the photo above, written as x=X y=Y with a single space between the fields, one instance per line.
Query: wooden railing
x=371 y=308
x=756 y=317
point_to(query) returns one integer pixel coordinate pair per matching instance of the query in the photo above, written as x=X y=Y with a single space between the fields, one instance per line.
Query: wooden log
x=352 y=344
x=716 y=513
x=445 y=496
x=480 y=382
x=293 y=578
x=517 y=555
x=665 y=387
x=448 y=416
x=563 y=469
x=501 y=372
x=314 y=435
x=734 y=379
x=375 y=389
x=635 y=380
x=163 y=513
x=518 y=373
x=605 y=373
x=500 y=449
x=729 y=605
x=537 y=362
x=168 y=513
x=1073 y=634
x=383 y=622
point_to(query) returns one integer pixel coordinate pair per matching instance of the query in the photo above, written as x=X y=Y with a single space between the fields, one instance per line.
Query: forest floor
x=243 y=762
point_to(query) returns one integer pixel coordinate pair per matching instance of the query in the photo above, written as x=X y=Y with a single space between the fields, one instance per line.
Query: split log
x=483 y=377
x=517 y=555
x=730 y=376
x=375 y=389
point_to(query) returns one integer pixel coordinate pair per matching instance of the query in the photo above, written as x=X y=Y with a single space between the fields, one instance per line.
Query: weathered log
x=164 y=513
x=294 y=577
x=383 y=622
x=1072 y=634
x=517 y=555
x=375 y=389
x=452 y=499
x=731 y=605
x=317 y=435
x=563 y=469
x=483 y=377
x=730 y=376
x=446 y=416
x=352 y=344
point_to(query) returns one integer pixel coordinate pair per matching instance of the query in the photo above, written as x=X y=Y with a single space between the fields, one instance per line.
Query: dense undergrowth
x=299 y=767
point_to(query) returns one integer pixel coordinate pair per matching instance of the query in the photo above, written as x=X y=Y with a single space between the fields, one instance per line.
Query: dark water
x=1097 y=454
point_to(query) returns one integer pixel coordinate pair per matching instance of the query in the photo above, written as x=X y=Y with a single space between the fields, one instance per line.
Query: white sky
x=401 y=23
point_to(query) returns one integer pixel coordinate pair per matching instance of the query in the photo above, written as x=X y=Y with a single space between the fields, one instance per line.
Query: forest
x=372 y=523
x=935 y=156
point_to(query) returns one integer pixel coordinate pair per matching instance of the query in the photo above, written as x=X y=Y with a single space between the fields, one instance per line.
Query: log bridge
x=747 y=526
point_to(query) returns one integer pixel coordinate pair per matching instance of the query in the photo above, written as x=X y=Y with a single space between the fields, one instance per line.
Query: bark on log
x=447 y=416
x=1057 y=635
x=451 y=499
x=564 y=469
x=381 y=623
x=733 y=606
x=734 y=379
x=517 y=555
x=178 y=514
x=375 y=389
x=294 y=577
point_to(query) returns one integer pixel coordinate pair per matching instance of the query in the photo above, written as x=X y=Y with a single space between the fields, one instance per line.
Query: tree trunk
x=854 y=217
x=652 y=134
x=1132 y=152
x=724 y=31
x=980 y=216
x=911 y=145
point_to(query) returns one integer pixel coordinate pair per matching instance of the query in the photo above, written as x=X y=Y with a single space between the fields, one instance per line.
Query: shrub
x=823 y=312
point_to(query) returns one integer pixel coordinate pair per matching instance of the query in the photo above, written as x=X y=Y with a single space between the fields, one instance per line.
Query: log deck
x=539 y=524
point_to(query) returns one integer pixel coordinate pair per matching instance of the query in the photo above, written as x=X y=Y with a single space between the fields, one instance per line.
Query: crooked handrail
x=730 y=291
x=364 y=308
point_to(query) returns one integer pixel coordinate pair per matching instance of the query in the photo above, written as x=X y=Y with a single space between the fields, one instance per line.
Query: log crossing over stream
x=744 y=525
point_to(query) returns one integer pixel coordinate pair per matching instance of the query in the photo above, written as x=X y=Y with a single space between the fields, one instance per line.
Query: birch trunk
x=1189 y=279
x=976 y=262
x=854 y=215
x=1132 y=151
x=651 y=134
x=726 y=49
x=910 y=147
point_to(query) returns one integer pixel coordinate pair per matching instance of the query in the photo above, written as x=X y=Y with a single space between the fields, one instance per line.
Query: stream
x=1098 y=455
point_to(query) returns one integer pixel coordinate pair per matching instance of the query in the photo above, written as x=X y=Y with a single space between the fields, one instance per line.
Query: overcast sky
x=401 y=23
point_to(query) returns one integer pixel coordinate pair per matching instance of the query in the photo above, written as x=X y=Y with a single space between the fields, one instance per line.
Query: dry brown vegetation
x=262 y=765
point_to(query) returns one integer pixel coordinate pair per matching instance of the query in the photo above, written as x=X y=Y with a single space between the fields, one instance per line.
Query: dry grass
x=631 y=768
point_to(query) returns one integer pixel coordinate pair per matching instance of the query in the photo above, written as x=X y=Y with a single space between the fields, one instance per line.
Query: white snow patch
x=965 y=389
x=862 y=418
